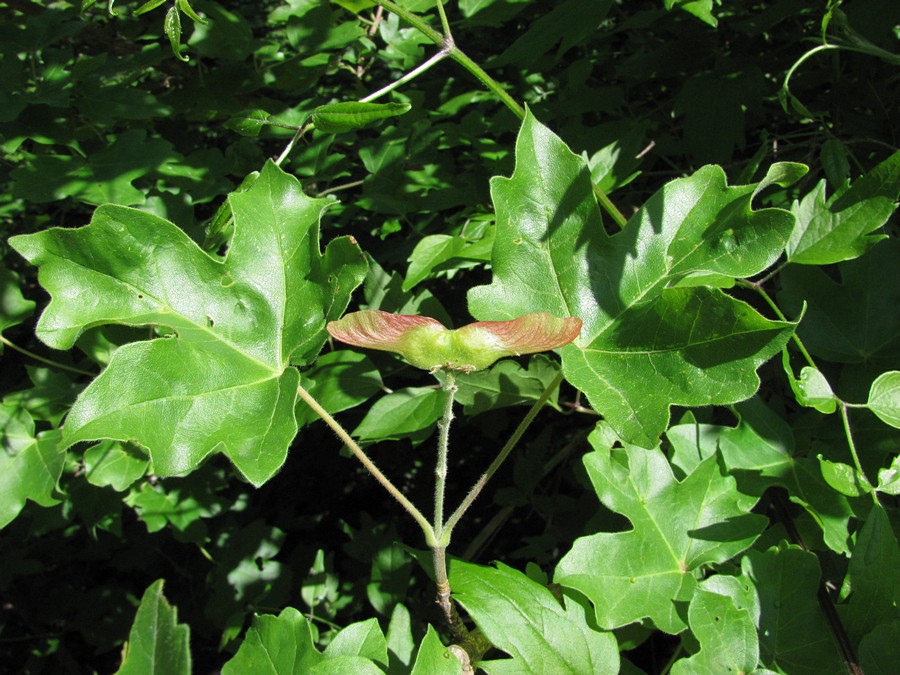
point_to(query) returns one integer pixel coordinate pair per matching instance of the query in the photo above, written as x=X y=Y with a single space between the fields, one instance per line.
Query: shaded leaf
x=854 y=320
x=793 y=634
x=30 y=465
x=249 y=122
x=14 y=308
x=401 y=413
x=339 y=380
x=336 y=118
x=238 y=324
x=157 y=644
x=677 y=528
x=524 y=619
x=873 y=578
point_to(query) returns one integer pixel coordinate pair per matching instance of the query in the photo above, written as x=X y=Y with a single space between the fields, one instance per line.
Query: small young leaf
x=335 y=118
x=889 y=479
x=843 y=478
x=812 y=390
x=884 y=398
x=401 y=413
x=158 y=644
x=172 y=29
x=185 y=6
x=148 y=6
x=248 y=122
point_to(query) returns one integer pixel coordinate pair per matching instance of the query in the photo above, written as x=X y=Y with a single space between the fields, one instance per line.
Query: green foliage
x=193 y=190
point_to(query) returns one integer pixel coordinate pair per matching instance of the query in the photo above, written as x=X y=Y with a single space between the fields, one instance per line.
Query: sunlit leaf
x=237 y=324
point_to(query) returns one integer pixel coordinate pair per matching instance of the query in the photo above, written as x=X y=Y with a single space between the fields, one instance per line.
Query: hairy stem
x=866 y=485
x=430 y=538
x=781 y=317
x=447 y=530
x=440 y=470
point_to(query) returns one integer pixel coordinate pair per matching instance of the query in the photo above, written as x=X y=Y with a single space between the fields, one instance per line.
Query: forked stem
x=369 y=464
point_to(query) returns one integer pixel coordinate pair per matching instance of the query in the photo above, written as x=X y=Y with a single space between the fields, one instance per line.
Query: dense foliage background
x=100 y=109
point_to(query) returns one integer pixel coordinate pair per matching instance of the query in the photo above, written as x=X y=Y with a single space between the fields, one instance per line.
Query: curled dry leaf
x=426 y=343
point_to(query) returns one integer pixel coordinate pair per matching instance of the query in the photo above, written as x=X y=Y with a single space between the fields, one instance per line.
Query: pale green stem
x=414 y=73
x=845 y=419
x=449 y=48
x=440 y=471
x=777 y=310
x=447 y=529
x=290 y=146
x=40 y=358
x=430 y=538
x=446 y=42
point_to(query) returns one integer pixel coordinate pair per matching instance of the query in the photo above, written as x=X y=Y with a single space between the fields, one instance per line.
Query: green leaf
x=113 y=464
x=506 y=384
x=840 y=228
x=644 y=346
x=30 y=465
x=677 y=528
x=727 y=636
x=336 y=118
x=148 y=6
x=401 y=413
x=363 y=639
x=106 y=176
x=399 y=637
x=172 y=29
x=433 y=658
x=340 y=380
x=876 y=651
x=435 y=251
x=279 y=645
x=794 y=636
x=157 y=644
x=812 y=390
x=843 y=478
x=884 y=398
x=185 y=7
x=220 y=381
x=873 y=578
x=854 y=320
x=889 y=479
x=522 y=617
x=14 y=308
x=761 y=452
x=248 y=122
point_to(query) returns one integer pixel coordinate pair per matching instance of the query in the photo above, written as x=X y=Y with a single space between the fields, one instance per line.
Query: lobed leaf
x=645 y=344
x=219 y=379
x=677 y=528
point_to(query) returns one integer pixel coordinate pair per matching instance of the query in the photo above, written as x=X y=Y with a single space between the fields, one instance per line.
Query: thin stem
x=49 y=362
x=446 y=42
x=447 y=530
x=338 y=188
x=845 y=419
x=414 y=73
x=370 y=465
x=440 y=470
x=777 y=310
x=290 y=146
x=444 y=23
x=609 y=207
